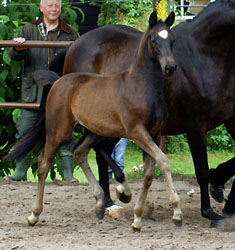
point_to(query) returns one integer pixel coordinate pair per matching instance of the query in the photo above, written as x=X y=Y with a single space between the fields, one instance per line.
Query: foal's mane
x=142 y=42
x=144 y=39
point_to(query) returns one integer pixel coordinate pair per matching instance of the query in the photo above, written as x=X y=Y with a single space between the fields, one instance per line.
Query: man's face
x=51 y=9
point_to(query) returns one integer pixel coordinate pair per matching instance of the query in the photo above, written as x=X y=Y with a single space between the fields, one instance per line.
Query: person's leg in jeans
x=118 y=154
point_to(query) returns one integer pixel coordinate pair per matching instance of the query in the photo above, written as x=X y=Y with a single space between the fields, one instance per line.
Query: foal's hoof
x=136 y=225
x=217 y=223
x=136 y=230
x=116 y=211
x=99 y=216
x=178 y=223
x=123 y=197
x=32 y=219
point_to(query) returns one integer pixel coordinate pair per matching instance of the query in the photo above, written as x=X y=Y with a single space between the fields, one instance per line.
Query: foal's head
x=160 y=42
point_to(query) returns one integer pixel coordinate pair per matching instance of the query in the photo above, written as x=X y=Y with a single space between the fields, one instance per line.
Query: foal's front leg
x=144 y=140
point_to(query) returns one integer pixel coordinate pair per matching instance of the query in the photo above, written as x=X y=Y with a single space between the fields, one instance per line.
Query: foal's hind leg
x=81 y=155
x=44 y=165
x=57 y=132
x=144 y=140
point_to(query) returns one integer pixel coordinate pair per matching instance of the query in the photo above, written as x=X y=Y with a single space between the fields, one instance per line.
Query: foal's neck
x=144 y=67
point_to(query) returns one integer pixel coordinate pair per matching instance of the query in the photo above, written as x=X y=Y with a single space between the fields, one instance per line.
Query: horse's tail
x=34 y=139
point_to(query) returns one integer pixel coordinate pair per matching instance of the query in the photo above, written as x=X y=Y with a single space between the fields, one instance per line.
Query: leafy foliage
x=130 y=12
x=217 y=139
x=14 y=15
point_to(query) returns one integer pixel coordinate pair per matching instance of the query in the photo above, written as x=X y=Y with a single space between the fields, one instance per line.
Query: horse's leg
x=123 y=190
x=229 y=208
x=58 y=128
x=80 y=153
x=197 y=144
x=148 y=175
x=224 y=171
x=104 y=159
x=144 y=140
x=103 y=173
x=219 y=176
x=44 y=165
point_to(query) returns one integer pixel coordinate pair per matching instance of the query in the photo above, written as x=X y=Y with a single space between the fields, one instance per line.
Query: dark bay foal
x=130 y=104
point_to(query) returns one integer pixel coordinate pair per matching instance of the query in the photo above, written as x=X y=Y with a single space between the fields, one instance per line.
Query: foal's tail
x=34 y=139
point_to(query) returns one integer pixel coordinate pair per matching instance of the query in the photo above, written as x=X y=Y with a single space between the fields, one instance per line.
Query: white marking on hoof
x=137 y=224
x=121 y=188
x=32 y=219
x=116 y=211
x=191 y=192
x=124 y=187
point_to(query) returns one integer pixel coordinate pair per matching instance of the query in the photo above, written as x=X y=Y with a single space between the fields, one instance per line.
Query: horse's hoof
x=99 y=216
x=135 y=229
x=116 y=211
x=178 y=223
x=217 y=223
x=32 y=219
x=122 y=197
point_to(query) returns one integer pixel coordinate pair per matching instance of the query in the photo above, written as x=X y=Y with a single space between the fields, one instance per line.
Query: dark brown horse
x=200 y=95
x=128 y=104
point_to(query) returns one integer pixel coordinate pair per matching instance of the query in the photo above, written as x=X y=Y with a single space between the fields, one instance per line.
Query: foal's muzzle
x=170 y=69
x=168 y=65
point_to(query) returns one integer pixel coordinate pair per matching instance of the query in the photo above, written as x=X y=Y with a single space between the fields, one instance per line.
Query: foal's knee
x=164 y=164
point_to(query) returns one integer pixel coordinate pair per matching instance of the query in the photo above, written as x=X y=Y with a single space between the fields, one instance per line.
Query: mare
x=128 y=104
x=200 y=95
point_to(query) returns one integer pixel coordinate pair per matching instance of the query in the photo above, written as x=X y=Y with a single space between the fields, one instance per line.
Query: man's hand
x=19 y=40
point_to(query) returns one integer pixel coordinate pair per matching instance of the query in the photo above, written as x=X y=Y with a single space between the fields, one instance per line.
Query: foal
x=130 y=104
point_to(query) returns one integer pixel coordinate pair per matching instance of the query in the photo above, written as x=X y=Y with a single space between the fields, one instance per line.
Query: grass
x=181 y=164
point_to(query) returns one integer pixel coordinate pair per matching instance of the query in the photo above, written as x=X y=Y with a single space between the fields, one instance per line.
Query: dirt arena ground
x=68 y=220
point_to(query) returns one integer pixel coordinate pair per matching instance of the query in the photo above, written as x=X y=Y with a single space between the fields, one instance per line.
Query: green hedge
x=130 y=12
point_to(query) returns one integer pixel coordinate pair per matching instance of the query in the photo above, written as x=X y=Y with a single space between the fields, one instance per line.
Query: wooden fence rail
x=27 y=44
x=38 y=44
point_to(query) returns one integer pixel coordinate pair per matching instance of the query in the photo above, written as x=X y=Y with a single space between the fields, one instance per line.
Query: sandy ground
x=69 y=222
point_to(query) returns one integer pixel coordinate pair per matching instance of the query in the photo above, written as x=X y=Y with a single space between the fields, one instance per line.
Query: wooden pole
x=17 y=105
x=38 y=44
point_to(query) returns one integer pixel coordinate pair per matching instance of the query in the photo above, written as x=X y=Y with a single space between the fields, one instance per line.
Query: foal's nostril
x=169 y=69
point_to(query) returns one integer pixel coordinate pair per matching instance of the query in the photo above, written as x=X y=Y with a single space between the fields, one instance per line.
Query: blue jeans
x=118 y=154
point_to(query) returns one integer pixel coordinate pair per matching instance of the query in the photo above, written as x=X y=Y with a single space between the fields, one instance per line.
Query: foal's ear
x=170 y=19
x=153 y=19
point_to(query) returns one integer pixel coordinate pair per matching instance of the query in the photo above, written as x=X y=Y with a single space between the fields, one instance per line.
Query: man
x=49 y=27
